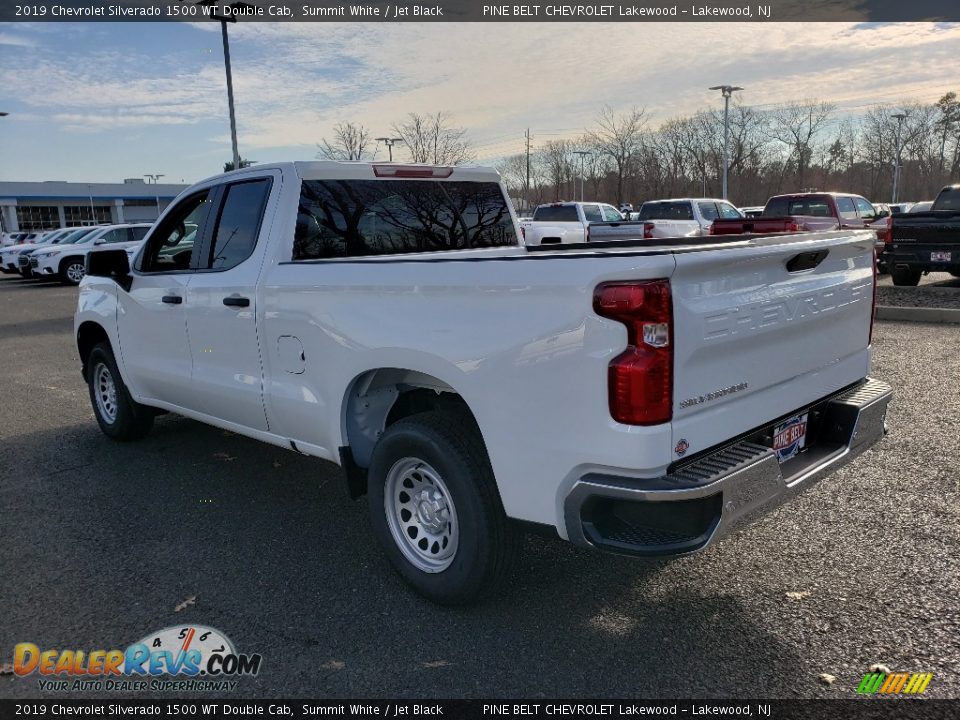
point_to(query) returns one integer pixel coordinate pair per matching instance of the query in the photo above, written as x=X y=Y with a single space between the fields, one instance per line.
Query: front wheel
x=72 y=271
x=119 y=416
x=435 y=509
x=905 y=278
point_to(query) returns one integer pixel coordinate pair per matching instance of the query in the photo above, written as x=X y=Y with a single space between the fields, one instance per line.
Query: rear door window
x=356 y=218
x=591 y=213
x=611 y=214
x=846 y=208
x=708 y=210
x=728 y=211
x=238 y=225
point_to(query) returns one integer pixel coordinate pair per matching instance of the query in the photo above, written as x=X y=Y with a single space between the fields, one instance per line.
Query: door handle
x=234 y=301
x=172 y=299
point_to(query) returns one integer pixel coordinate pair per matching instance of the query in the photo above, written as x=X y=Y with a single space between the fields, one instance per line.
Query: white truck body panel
x=510 y=331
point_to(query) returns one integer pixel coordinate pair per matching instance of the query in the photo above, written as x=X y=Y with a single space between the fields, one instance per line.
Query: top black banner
x=471 y=11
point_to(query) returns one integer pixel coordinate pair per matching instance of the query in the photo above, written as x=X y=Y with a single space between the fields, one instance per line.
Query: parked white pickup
x=683 y=217
x=566 y=222
x=642 y=398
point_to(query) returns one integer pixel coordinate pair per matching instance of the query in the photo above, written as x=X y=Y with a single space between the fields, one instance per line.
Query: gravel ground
x=102 y=541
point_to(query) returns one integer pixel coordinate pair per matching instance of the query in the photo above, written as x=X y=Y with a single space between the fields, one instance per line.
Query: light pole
x=582 y=154
x=155 y=178
x=224 y=19
x=389 y=142
x=93 y=213
x=727 y=91
x=899 y=117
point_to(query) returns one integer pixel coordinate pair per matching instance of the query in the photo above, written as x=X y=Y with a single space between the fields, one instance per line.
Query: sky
x=99 y=102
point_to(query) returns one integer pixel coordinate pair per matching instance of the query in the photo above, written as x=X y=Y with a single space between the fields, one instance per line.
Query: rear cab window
x=948 y=199
x=666 y=211
x=359 y=218
x=557 y=213
x=815 y=206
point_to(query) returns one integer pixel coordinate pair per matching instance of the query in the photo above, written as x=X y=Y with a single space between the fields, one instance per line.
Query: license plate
x=789 y=437
x=940 y=257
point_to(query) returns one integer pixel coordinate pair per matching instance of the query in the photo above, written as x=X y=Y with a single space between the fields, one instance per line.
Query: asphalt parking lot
x=101 y=542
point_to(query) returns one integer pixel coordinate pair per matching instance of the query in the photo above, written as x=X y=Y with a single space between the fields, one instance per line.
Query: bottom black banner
x=861 y=709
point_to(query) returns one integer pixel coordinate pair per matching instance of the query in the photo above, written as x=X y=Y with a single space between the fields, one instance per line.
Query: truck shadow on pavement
x=107 y=540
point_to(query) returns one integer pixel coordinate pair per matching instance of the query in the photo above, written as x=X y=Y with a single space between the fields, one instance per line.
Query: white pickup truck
x=566 y=222
x=683 y=217
x=643 y=398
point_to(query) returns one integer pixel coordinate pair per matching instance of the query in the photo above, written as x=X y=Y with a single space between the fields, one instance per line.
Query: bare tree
x=431 y=139
x=797 y=126
x=620 y=137
x=350 y=142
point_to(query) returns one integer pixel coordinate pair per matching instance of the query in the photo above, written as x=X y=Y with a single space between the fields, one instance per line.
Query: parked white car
x=637 y=397
x=10 y=255
x=566 y=222
x=67 y=261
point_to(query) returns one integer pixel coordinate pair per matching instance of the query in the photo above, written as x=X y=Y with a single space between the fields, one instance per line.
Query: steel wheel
x=421 y=515
x=105 y=392
x=75 y=272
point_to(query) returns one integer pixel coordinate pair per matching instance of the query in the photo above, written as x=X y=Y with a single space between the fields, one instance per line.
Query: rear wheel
x=435 y=508
x=72 y=271
x=118 y=415
x=905 y=278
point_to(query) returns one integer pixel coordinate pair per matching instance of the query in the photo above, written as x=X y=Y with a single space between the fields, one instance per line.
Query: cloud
x=15 y=40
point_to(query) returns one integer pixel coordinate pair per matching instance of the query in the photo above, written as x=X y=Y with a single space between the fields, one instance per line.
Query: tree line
x=791 y=147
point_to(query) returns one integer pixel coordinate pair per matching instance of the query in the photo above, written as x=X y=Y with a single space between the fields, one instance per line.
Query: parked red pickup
x=808 y=211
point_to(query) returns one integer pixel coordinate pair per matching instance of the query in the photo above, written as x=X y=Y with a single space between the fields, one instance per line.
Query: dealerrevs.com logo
x=192 y=658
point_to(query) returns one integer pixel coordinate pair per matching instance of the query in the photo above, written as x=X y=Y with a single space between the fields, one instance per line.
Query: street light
x=389 y=142
x=899 y=117
x=156 y=193
x=224 y=19
x=727 y=91
x=582 y=154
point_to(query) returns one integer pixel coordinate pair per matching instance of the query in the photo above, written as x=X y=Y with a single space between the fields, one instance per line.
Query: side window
x=138 y=233
x=611 y=214
x=728 y=211
x=708 y=211
x=114 y=236
x=867 y=212
x=237 y=228
x=171 y=245
x=591 y=213
x=846 y=208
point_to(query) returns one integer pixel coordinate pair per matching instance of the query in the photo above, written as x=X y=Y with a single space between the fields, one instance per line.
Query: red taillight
x=648 y=231
x=412 y=171
x=793 y=226
x=888 y=233
x=640 y=378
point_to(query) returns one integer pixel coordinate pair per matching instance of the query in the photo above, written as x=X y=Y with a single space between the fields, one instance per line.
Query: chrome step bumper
x=723 y=491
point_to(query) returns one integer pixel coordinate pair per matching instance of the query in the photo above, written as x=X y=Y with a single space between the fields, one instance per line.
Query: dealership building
x=53 y=204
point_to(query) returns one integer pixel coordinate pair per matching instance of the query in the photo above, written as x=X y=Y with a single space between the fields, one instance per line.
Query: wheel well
x=380 y=398
x=89 y=335
x=65 y=260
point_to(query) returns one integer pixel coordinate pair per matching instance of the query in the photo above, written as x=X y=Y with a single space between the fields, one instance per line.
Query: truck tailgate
x=762 y=330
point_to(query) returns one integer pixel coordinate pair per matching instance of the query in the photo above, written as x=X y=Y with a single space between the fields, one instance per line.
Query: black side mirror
x=113 y=264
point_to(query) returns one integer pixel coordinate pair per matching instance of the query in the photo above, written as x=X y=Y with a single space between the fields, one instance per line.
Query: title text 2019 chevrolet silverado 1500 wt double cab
x=640 y=398
x=926 y=241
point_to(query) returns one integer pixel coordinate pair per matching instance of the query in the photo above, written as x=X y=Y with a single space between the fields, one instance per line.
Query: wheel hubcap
x=75 y=272
x=105 y=392
x=421 y=515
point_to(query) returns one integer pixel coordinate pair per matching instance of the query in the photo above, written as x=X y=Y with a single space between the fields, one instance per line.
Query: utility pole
x=389 y=142
x=155 y=177
x=727 y=91
x=899 y=117
x=526 y=187
x=582 y=154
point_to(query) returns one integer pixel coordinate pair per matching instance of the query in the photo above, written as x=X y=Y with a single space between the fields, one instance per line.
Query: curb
x=918 y=314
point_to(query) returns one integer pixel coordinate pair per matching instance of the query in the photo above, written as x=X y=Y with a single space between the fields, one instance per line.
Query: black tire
x=487 y=543
x=905 y=278
x=68 y=267
x=130 y=420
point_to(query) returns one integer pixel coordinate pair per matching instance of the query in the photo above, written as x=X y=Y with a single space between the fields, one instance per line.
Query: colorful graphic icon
x=878 y=683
